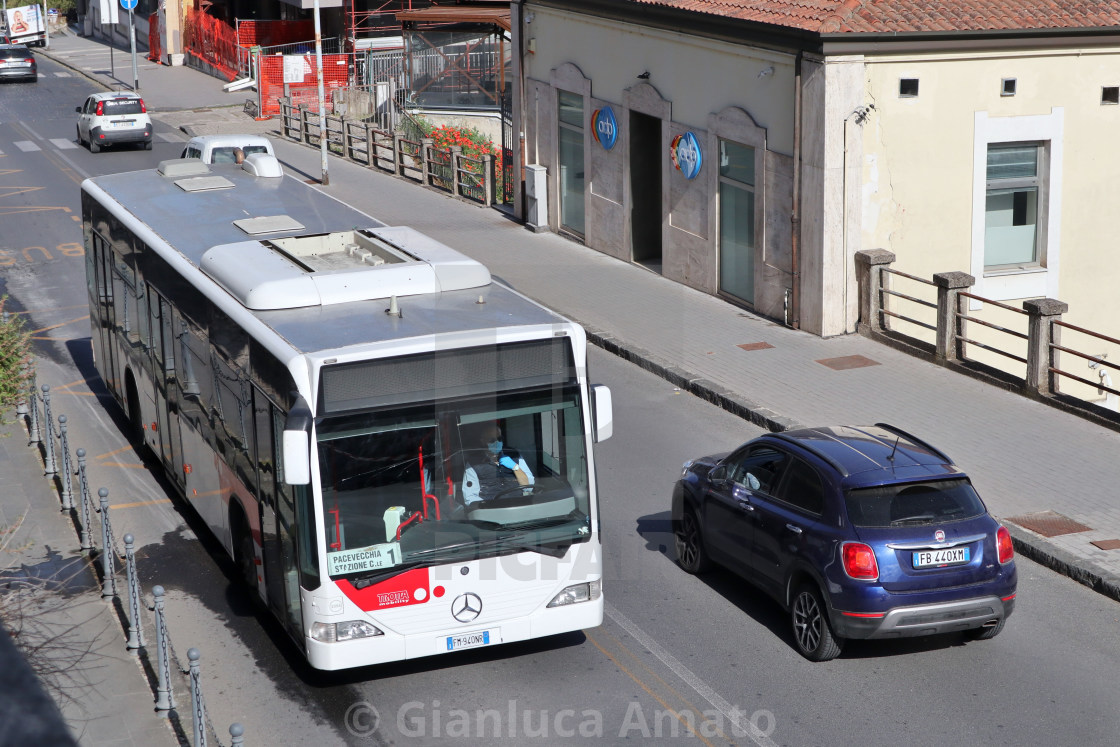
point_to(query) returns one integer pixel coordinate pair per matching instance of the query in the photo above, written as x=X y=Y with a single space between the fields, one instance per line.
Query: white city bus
x=319 y=385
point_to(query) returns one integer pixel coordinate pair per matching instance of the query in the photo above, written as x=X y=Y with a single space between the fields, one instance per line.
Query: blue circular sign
x=604 y=128
x=686 y=155
x=129 y=4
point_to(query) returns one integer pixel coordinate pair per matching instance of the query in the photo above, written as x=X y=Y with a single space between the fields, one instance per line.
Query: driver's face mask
x=495 y=446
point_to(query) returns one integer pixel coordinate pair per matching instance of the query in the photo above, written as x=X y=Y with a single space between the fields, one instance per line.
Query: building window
x=736 y=220
x=907 y=88
x=570 y=158
x=1012 y=239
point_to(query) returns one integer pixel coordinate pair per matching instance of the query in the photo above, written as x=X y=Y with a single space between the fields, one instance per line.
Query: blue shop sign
x=604 y=128
x=686 y=155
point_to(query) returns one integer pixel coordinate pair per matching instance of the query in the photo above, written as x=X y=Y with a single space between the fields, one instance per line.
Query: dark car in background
x=17 y=63
x=859 y=532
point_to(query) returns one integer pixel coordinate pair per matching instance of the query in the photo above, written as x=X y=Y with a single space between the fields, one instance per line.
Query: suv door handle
x=793 y=528
x=745 y=505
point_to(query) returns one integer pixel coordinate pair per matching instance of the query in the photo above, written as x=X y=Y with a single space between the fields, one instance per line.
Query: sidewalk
x=1035 y=466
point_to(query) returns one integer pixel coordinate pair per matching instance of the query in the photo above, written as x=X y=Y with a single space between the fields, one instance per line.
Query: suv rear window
x=121 y=106
x=19 y=54
x=913 y=504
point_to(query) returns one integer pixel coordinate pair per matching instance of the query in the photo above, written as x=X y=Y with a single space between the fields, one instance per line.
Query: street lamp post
x=322 y=97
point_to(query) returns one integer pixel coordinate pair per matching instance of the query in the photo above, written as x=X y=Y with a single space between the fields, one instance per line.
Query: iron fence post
x=371 y=152
x=21 y=405
x=198 y=712
x=108 y=566
x=135 y=628
x=398 y=162
x=67 y=467
x=950 y=327
x=33 y=434
x=165 y=698
x=49 y=467
x=1041 y=332
x=84 y=499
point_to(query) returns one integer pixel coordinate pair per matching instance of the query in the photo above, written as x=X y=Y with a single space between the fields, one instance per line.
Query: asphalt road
x=679 y=659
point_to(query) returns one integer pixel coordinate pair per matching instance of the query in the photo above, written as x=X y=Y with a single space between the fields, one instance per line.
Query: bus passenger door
x=277 y=518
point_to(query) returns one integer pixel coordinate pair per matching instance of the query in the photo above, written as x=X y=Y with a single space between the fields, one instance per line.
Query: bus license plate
x=468 y=640
x=952 y=556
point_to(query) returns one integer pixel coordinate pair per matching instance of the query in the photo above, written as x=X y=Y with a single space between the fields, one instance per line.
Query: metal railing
x=110 y=559
x=1017 y=347
x=469 y=178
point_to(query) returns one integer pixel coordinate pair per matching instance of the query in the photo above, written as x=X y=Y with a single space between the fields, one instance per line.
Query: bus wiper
x=361 y=582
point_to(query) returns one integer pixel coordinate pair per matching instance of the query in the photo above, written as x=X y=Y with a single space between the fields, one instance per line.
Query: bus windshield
x=449 y=481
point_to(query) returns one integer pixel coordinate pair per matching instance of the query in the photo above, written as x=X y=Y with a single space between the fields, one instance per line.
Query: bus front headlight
x=343 y=631
x=577 y=593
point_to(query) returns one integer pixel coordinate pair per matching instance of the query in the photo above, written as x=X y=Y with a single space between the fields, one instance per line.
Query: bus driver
x=499 y=471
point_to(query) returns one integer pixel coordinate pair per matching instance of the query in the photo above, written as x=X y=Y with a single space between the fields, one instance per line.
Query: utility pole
x=322 y=103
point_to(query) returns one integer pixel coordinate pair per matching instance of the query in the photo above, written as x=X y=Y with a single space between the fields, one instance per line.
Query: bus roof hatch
x=339 y=267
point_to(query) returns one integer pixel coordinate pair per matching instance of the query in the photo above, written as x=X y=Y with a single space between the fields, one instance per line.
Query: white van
x=220 y=148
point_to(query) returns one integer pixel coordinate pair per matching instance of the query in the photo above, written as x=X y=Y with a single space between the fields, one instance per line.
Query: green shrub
x=15 y=349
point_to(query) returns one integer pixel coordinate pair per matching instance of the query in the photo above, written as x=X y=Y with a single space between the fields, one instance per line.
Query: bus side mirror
x=296 y=445
x=602 y=412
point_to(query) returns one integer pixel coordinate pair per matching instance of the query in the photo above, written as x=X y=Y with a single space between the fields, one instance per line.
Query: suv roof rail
x=915 y=439
x=817 y=452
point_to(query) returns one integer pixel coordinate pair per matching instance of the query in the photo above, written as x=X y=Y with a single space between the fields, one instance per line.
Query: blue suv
x=859 y=532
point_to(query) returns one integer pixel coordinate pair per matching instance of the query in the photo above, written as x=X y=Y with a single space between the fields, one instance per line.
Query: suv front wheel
x=811 y=630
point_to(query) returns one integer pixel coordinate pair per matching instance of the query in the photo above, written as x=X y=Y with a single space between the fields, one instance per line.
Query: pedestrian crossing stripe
x=26 y=146
x=63 y=144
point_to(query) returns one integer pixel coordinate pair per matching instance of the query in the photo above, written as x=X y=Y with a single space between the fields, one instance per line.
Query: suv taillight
x=1004 y=549
x=859 y=561
x=143 y=109
x=100 y=109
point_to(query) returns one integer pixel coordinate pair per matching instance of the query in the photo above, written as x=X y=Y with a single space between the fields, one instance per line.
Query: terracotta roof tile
x=862 y=16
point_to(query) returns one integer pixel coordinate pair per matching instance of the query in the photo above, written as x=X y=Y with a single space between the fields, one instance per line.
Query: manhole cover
x=748 y=346
x=1107 y=544
x=1049 y=523
x=847 y=361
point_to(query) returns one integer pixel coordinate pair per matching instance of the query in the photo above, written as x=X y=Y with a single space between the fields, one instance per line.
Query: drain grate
x=846 y=362
x=1049 y=523
x=748 y=346
x=1107 y=544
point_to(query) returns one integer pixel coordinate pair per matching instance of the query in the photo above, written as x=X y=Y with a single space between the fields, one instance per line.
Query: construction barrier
x=295 y=76
x=155 y=45
x=212 y=42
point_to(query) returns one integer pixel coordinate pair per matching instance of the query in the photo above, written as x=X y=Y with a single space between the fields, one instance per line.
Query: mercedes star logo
x=466 y=607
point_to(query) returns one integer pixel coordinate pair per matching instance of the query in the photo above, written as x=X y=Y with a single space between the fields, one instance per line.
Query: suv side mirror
x=718 y=475
x=78 y=109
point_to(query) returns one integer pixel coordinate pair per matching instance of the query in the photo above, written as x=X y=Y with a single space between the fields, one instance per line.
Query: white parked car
x=111 y=118
x=222 y=148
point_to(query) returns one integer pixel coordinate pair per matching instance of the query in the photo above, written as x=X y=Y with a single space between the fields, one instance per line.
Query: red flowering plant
x=474 y=145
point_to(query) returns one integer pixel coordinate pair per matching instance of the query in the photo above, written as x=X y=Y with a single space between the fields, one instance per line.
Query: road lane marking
x=643 y=685
x=137 y=504
x=686 y=674
x=113 y=453
x=666 y=685
x=62 y=143
x=62 y=74
x=60 y=324
x=27 y=146
x=124 y=466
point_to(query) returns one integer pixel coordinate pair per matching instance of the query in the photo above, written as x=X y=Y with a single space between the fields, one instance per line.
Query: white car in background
x=114 y=118
x=221 y=148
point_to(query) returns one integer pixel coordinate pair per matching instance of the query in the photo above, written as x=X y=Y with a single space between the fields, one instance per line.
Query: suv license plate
x=952 y=556
x=468 y=640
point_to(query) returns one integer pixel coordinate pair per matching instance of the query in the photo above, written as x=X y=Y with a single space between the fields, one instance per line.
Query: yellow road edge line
x=141 y=503
x=643 y=685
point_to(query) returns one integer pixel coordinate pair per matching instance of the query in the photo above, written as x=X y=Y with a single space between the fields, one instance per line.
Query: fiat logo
x=939 y=535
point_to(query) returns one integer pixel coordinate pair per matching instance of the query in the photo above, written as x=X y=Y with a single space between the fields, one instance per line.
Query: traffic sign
x=129 y=4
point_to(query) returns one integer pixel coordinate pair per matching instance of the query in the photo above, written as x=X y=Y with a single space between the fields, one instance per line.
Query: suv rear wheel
x=811 y=630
